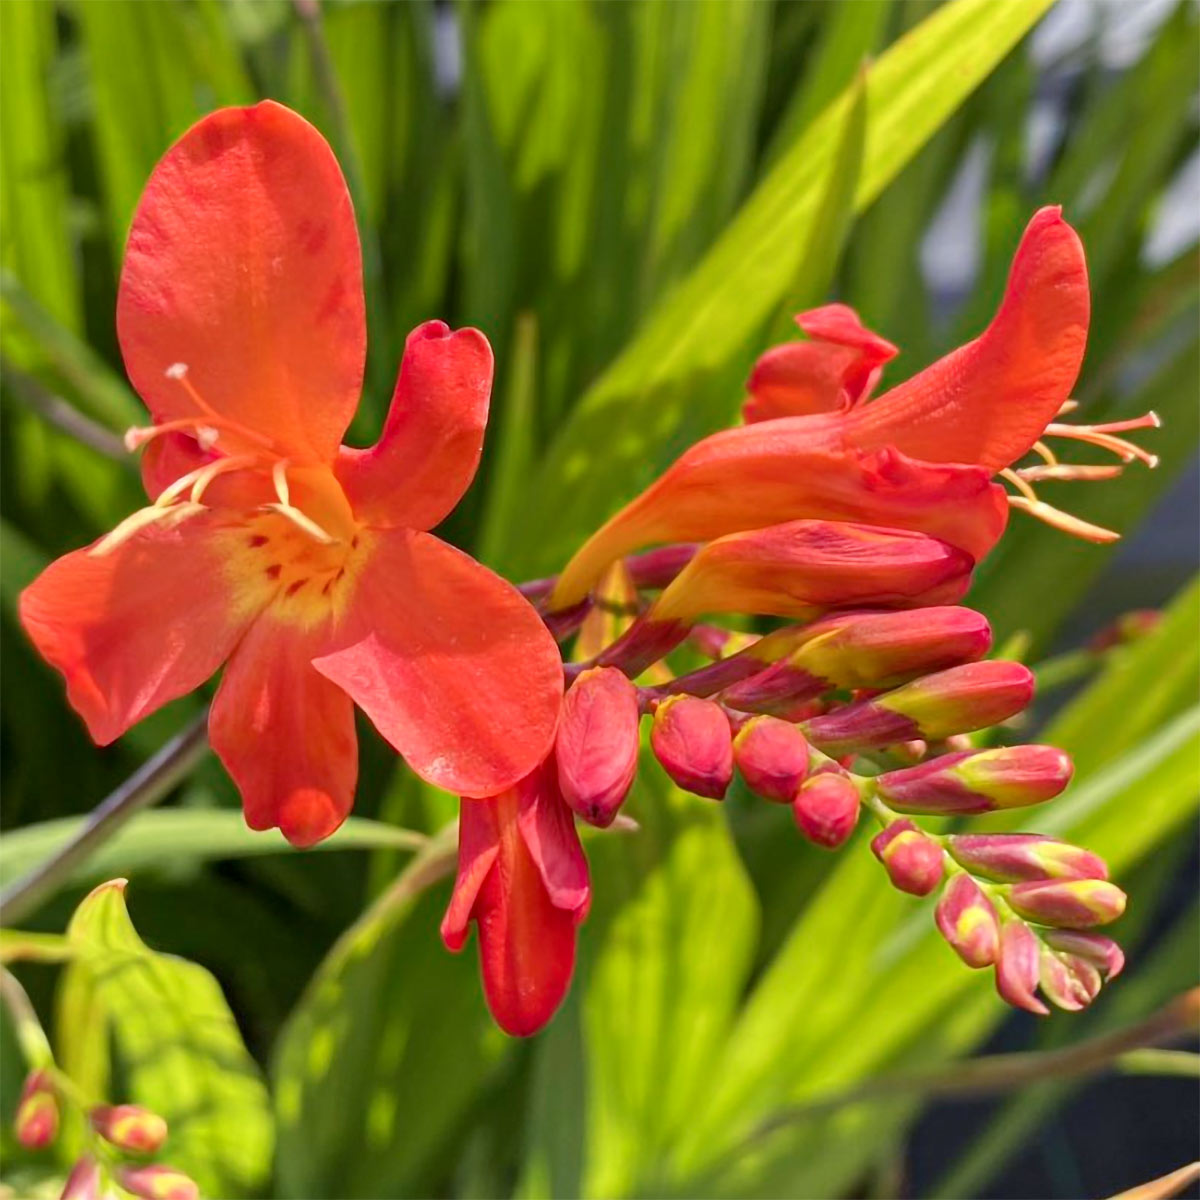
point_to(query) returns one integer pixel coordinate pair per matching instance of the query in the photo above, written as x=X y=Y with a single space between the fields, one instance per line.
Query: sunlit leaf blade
x=179 y=1048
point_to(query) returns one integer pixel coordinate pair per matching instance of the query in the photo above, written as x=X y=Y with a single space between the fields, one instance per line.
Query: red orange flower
x=303 y=563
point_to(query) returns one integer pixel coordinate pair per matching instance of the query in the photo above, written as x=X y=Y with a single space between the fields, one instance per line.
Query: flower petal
x=144 y=623
x=431 y=442
x=478 y=848
x=553 y=842
x=988 y=401
x=835 y=369
x=786 y=470
x=243 y=264
x=451 y=663
x=285 y=733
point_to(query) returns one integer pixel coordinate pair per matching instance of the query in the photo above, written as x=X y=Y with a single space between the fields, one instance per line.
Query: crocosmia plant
x=687 y=677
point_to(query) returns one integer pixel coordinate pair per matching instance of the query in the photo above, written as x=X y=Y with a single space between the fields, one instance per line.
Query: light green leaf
x=178 y=1045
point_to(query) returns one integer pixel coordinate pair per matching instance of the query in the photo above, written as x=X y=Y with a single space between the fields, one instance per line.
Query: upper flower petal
x=478 y=848
x=285 y=733
x=773 y=472
x=429 y=451
x=835 y=369
x=451 y=663
x=243 y=264
x=145 y=622
x=988 y=401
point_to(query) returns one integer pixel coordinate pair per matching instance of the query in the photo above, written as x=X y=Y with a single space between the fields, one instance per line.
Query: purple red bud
x=1018 y=967
x=692 y=740
x=915 y=863
x=826 y=809
x=772 y=757
x=1096 y=948
x=1068 y=982
x=37 y=1119
x=83 y=1183
x=1020 y=857
x=1068 y=903
x=129 y=1127
x=157 y=1182
x=597 y=744
x=967 y=920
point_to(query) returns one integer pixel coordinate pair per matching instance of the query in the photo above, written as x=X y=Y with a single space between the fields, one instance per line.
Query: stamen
x=1068 y=406
x=1070 y=472
x=1065 y=522
x=179 y=373
x=305 y=523
x=279 y=476
x=1102 y=435
x=199 y=479
x=170 y=516
x=1019 y=484
x=1045 y=453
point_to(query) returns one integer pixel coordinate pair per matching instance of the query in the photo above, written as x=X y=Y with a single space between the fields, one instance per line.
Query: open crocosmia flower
x=303 y=563
x=923 y=456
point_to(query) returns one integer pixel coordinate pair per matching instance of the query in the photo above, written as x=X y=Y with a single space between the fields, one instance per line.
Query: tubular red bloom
x=307 y=566
x=523 y=879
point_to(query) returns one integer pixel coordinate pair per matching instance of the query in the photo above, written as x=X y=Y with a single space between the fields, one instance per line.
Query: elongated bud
x=1017 y=857
x=597 y=744
x=1018 y=967
x=1068 y=903
x=914 y=862
x=772 y=757
x=1096 y=948
x=826 y=809
x=692 y=740
x=959 y=700
x=967 y=920
x=1068 y=982
x=874 y=650
x=978 y=781
x=37 y=1119
x=83 y=1183
x=129 y=1127
x=157 y=1182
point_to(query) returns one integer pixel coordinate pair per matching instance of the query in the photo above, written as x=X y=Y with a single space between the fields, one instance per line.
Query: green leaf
x=173 y=837
x=678 y=379
x=179 y=1047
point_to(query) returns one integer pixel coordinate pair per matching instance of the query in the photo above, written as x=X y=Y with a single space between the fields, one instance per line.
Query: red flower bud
x=1068 y=982
x=129 y=1127
x=1101 y=951
x=913 y=860
x=36 y=1122
x=772 y=757
x=157 y=1182
x=1018 y=967
x=1015 y=857
x=83 y=1183
x=1068 y=903
x=691 y=738
x=826 y=809
x=597 y=744
x=967 y=920
x=978 y=781
x=959 y=700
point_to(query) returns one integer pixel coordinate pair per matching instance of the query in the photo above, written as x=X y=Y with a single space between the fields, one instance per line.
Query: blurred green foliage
x=627 y=198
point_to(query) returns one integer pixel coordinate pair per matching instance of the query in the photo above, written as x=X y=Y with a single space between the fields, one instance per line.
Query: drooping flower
x=922 y=456
x=523 y=879
x=307 y=565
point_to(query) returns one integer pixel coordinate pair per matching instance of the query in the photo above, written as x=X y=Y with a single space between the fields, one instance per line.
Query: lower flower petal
x=285 y=733
x=144 y=622
x=450 y=662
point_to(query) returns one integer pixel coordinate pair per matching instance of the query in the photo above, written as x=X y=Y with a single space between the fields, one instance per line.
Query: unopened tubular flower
x=1068 y=982
x=1068 y=903
x=129 y=1127
x=958 y=700
x=523 y=879
x=978 y=781
x=1014 y=857
x=597 y=744
x=772 y=756
x=915 y=863
x=826 y=809
x=1018 y=967
x=306 y=565
x=1096 y=948
x=691 y=739
x=83 y=1183
x=37 y=1120
x=967 y=920
x=157 y=1182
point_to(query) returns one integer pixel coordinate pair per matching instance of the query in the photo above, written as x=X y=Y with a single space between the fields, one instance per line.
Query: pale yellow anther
x=144 y=517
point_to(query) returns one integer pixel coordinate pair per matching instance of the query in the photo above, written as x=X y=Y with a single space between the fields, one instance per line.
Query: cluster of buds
x=121 y=1138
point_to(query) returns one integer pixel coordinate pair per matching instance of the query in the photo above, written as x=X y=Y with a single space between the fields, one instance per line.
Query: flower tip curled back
x=692 y=741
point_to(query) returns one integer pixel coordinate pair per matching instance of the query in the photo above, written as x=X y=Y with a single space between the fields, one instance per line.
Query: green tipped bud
x=978 y=780
x=914 y=862
x=826 y=809
x=772 y=757
x=129 y=1127
x=1019 y=857
x=959 y=700
x=1068 y=903
x=692 y=740
x=967 y=920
